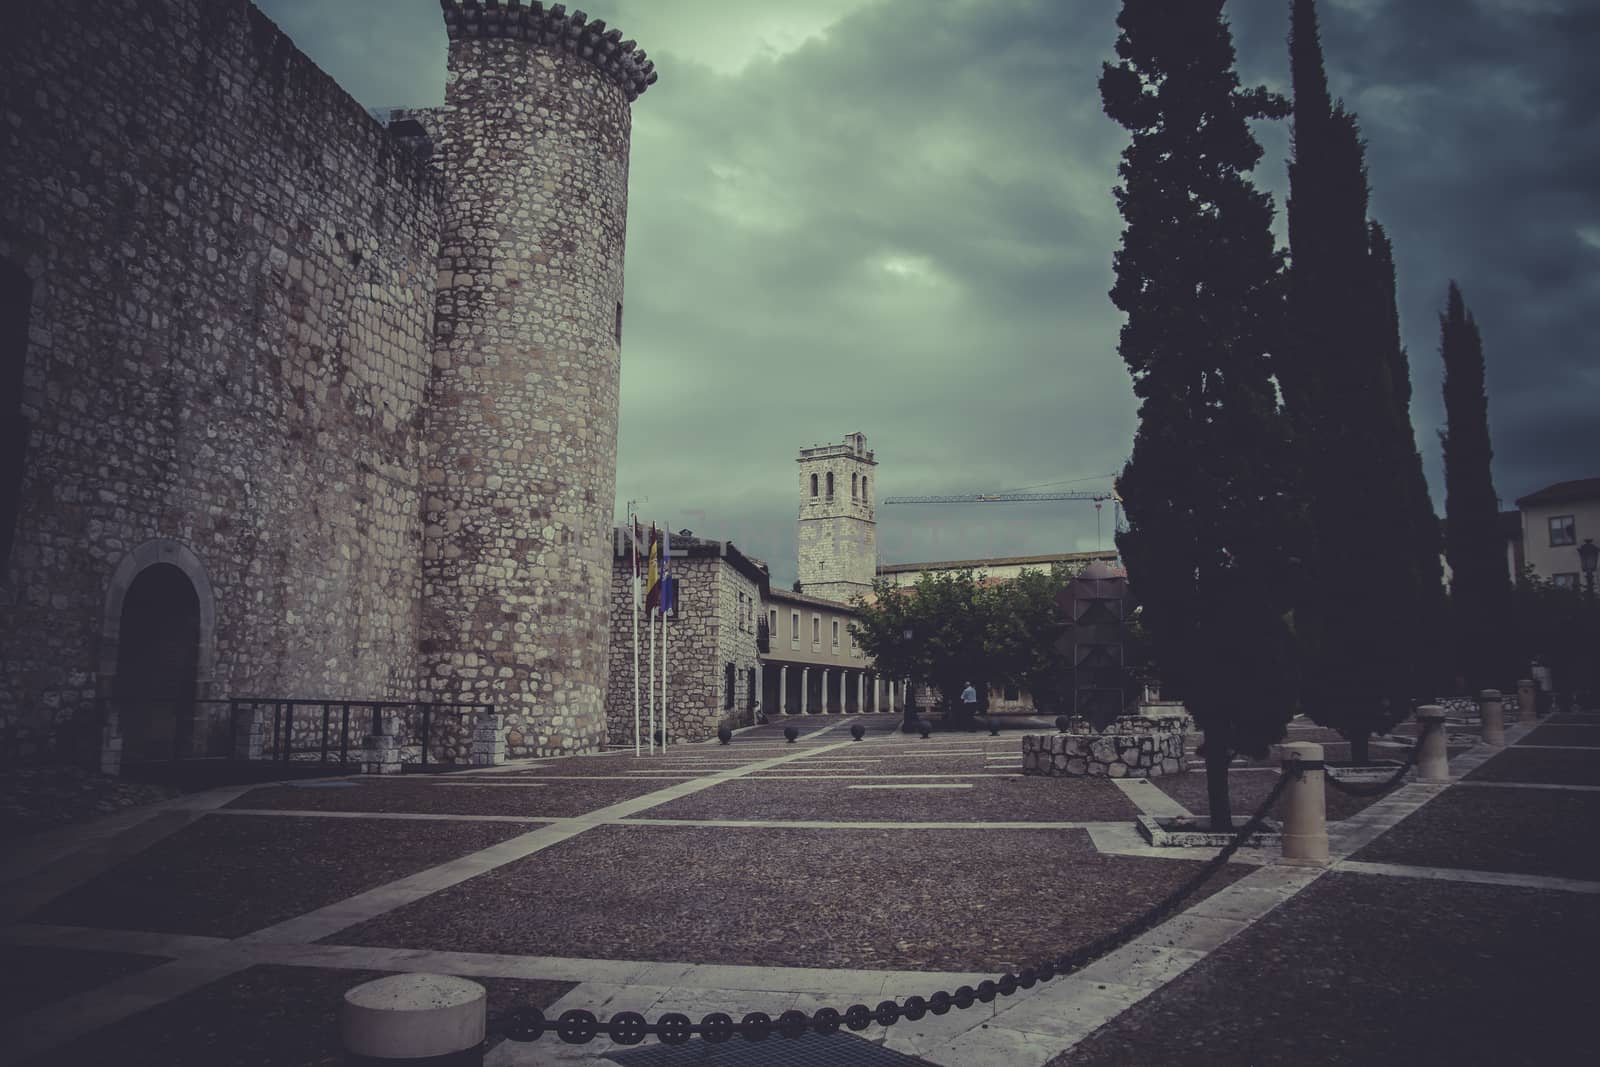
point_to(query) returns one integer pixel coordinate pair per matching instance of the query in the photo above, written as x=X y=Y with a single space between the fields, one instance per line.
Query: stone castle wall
x=705 y=636
x=521 y=466
x=233 y=272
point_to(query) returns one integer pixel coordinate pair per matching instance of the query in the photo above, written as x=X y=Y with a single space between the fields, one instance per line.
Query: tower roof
x=553 y=27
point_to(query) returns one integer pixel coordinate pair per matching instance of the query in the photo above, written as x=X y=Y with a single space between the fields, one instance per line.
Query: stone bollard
x=488 y=741
x=414 y=1018
x=249 y=733
x=1491 y=714
x=1433 y=758
x=1527 y=708
x=381 y=753
x=1305 y=815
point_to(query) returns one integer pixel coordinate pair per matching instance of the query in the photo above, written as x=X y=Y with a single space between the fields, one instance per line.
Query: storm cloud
x=896 y=217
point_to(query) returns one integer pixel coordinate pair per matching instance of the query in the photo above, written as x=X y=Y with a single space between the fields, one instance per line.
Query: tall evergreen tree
x=1365 y=595
x=1480 y=587
x=1208 y=492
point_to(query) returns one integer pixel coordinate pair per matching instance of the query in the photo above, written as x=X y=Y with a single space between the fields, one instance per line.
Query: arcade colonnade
x=802 y=689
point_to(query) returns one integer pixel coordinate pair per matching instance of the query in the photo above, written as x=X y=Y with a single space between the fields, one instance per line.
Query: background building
x=1555 y=521
x=837 y=535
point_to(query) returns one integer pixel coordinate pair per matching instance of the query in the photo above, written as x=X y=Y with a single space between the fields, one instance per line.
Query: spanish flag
x=652 y=587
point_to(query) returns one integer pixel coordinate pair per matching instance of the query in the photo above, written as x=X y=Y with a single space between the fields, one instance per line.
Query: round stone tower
x=522 y=456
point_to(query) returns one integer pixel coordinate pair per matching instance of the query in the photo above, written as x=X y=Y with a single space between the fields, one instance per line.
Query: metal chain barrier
x=578 y=1026
x=1372 y=789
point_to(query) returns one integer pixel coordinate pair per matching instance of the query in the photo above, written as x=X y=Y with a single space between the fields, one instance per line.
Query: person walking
x=969 y=707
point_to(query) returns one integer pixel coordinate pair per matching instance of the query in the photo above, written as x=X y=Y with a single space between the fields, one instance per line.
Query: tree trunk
x=1217 y=759
x=1359 y=752
x=908 y=722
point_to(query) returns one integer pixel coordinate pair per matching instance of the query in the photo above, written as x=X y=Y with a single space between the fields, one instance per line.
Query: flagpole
x=633 y=583
x=650 y=693
x=664 y=672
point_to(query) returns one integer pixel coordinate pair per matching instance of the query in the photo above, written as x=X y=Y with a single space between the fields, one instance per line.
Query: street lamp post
x=1589 y=556
x=908 y=722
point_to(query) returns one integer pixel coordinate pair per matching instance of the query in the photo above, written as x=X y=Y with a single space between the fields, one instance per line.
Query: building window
x=1565 y=581
x=794 y=625
x=1563 y=531
x=863 y=488
x=852 y=487
x=830 y=485
x=816 y=629
x=728 y=683
x=750 y=690
x=772 y=622
x=813 y=485
x=836 y=634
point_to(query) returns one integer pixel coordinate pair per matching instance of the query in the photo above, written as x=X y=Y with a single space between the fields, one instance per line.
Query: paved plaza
x=1456 y=922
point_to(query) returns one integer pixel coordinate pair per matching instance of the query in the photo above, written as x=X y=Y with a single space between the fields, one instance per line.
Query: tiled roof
x=1562 y=492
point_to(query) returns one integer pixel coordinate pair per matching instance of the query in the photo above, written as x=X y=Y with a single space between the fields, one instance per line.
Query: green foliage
x=964 y=630
x=1209 y=493
x=1480 y=589
x=1552 y=624
x=1371 y=596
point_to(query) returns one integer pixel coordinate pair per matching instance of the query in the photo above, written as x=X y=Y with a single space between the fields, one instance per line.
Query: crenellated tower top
x=553 y=27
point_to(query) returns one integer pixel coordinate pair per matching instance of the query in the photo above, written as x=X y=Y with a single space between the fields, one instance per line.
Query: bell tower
x=837 y=533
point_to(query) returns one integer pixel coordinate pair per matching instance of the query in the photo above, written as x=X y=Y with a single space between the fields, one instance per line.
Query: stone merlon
x=553 y=27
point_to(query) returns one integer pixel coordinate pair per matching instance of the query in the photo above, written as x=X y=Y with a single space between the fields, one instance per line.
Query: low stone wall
x=1146 y=753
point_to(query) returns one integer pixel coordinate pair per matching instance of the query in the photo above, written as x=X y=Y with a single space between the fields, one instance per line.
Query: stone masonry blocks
x=520 y=470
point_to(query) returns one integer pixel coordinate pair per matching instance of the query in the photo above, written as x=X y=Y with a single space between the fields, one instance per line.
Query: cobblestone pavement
x=221 y=927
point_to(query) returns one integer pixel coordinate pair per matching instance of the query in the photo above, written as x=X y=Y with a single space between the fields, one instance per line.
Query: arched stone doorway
x=156 y=650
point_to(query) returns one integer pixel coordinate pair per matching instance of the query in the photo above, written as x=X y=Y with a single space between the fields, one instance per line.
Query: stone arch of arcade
x=157 y=648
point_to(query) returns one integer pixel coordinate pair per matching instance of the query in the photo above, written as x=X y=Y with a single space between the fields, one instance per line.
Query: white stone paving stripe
x=1530 y=785
x=825 y=824
x=1553 y=748
x=1151 y=798
x=916 y=785
x=326 y=921
x=1444 y=874
x=305 y=813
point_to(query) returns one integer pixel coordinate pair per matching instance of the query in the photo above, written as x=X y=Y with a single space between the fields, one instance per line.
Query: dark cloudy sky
x=895 y=216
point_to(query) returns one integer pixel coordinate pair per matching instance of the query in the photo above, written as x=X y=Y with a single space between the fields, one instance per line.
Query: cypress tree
x=1480 y=588
x=1365 y=598
x=1212 y=523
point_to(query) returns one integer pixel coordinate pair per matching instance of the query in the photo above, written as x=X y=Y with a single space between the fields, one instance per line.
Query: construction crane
x=1007 y=497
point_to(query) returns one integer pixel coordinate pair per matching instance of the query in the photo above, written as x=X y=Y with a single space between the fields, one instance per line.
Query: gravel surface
x=266 y=1016
x=551 y=799
x=1018 y=799
x=942 y=899
x=1246 y=791
x=1550 y=766
x=1525 y=831
x=37 y=798
x=1360 y=970
x=227 y=875
x=31 y=977
x=1586 y=736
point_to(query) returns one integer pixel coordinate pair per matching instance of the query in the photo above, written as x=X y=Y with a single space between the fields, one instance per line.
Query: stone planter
x=1129 y=753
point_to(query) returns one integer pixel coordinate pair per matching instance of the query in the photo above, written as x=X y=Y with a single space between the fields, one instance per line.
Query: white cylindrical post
x=410 y=1017
x=663 y=680
x=783 y=689
x=1527 y=709
x=1433 y=758
x=650 y=692
x=1305 y=815
x=805 y=688
x=1491 y=713
x=825 y=673
x=861 y=692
